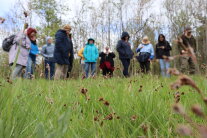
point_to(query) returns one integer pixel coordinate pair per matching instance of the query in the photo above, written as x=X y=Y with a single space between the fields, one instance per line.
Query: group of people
x=58 y=57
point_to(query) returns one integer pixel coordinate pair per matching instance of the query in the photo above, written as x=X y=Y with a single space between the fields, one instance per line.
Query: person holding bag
x=145 y=54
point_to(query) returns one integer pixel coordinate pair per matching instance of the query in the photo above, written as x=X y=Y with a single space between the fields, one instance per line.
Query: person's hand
x=180 y=40
x=141 y=47
x=69 y=54
x=162 y=47
x=183 y=52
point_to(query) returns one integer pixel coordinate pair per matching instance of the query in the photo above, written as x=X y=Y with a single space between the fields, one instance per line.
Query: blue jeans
x=51 y=69
x=89 y=65
x=31 y=62
x=164 y=66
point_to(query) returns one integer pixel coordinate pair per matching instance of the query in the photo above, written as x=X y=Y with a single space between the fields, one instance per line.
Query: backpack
x=143 y=57
x=7 y=43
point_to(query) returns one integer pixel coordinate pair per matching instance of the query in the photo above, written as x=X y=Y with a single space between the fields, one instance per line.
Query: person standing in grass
x=34 y=51
x=48 y=53
x=80 y=54
x=146 y=54
x=125 y=53
x=71 y=58
x=19 y=52
x=163 y=50
x=188 y=40
x=107 y=62
x=91 y=55
x=63 y=51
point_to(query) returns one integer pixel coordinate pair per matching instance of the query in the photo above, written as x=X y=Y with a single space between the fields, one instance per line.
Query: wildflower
x=84 y=91
x=134 y=117
x=96 y=118
x=177 y=97
x=173 y=71
x=101 y=99
x=178 y=109
x=184 y=130
x=109 y=117
x=145 y=128
x=106 y=103
x=176 y=85
x=205 y=100
x=49 y=100
x=203 y=131
x=196 y=109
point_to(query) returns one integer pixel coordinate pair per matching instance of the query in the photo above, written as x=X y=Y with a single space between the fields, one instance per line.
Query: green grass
x=26 y=109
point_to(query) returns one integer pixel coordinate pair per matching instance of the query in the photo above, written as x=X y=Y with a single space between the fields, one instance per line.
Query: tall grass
x=40 y=108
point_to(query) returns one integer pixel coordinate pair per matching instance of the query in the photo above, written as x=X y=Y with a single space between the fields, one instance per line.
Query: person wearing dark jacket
x=63 y=52
x=70 y=66
x=163 y=50
x=125 y=53
x=188 y=40
x=107 y=62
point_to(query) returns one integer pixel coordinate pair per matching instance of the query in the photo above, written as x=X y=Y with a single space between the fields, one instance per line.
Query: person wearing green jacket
x=91 y=55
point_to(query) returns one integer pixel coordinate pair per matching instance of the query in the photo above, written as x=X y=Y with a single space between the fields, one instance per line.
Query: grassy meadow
x=107 y=108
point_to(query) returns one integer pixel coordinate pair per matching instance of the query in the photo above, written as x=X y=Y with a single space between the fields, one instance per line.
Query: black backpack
x=7 y=43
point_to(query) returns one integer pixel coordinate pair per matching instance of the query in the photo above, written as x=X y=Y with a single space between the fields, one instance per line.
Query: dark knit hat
x=30 y=31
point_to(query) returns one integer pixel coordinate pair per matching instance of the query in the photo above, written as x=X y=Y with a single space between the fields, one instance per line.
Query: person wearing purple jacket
x=19 y=52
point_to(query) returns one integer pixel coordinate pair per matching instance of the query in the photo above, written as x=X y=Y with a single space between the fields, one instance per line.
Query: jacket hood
x=48 y=38
x=91 y=39
x=61 y=32
x=125 y=34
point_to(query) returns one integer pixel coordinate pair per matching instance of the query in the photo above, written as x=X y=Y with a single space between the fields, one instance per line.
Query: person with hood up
x=125 y=53
x=34 y=51
x=48 y=53
x=63 y=52
x=146 y=54
x=107 y=62
x=19 y=52
x=163 y=50
x=91 y=55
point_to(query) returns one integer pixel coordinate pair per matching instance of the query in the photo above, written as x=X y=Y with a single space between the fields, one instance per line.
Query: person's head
x=31 y=33
x=188 y=31
x=49 y=40
x=91 y=41
x=107 y=48
x=125 y=36
x=67 y=28
x=161 y=38
x=145 y=40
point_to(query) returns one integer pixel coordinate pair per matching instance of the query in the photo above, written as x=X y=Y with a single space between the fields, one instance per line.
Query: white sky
x=5 y=6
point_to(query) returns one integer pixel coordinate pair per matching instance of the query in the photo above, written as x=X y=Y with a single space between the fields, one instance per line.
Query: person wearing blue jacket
x=125 y=52
x=146 y=54
x=91 y=55
x=63 y=52
x=31 y=62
